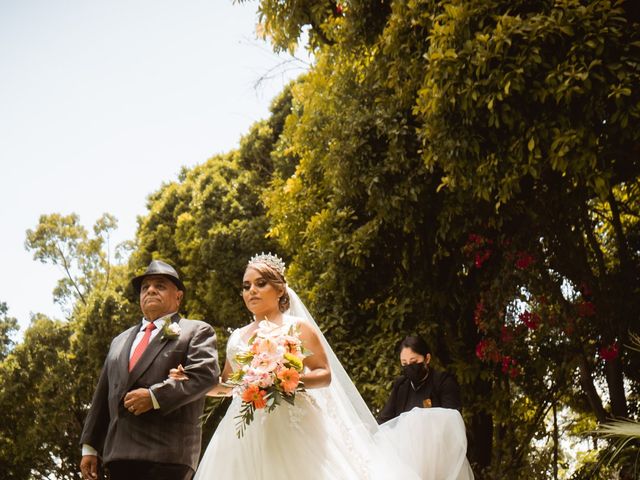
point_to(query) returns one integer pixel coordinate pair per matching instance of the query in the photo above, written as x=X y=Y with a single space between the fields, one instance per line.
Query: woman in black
x=420 y=385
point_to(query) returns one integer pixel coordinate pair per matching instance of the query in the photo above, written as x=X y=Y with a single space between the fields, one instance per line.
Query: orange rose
x=254 y=395
x=289 y=378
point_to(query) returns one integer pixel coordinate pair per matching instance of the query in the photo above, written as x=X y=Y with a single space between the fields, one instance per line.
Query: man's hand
x=138 y=401
x=89 y=467
x=178 y=374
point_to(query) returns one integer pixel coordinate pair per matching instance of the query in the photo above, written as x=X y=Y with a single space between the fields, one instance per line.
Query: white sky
x=102 y=101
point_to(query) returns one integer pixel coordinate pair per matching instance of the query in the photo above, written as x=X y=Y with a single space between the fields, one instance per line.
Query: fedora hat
x=158 y=267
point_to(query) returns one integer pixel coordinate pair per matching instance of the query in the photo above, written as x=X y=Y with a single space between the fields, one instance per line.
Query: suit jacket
x=173 y=433
x=440 y=388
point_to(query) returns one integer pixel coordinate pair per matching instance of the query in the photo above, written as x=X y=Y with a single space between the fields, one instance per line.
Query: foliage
x=514 y=124
x=8 y=326
x=47 y=379
x=39 y=431
x=466 y=170
x=211 y=221
x=63 y=241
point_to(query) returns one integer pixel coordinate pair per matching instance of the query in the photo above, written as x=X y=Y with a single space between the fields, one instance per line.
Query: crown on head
x=273 y=261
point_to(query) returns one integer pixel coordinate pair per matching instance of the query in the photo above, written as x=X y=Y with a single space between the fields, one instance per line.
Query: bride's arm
x=221 y=389
x=319 y=372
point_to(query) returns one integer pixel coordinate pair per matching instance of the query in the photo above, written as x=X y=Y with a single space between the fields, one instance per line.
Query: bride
x=328 y=432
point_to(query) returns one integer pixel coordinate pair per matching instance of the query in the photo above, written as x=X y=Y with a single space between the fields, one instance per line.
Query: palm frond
x=622 y=433
x=635 y=342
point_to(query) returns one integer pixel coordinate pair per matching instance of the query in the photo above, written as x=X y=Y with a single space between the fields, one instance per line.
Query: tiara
x=273 y=261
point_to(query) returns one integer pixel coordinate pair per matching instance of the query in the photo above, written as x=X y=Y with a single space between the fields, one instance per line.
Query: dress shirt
x=159 y=323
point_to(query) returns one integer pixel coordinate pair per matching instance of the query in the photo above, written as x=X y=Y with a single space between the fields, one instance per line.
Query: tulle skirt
x=300 y=441
x=432 y=441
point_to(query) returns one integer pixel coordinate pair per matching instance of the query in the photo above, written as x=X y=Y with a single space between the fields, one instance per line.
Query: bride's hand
x=178 y=374
x=221 y=390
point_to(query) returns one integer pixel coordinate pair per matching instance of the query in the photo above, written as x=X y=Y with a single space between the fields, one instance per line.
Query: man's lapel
x=151 y=352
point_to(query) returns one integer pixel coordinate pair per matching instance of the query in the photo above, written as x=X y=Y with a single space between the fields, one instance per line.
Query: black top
x=439 y=389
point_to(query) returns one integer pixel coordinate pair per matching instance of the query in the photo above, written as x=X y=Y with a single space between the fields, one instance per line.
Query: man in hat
x=141 y=423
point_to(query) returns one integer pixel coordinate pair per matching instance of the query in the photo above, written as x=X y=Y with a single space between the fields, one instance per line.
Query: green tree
x=210 y=221
x=514 y=122
x=64 y=242
x=39 y=430
x=47 y=380
x=8 y=327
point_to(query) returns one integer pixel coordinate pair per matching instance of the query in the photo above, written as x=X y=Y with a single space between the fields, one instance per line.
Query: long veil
x=425 y=443
x=341 y=385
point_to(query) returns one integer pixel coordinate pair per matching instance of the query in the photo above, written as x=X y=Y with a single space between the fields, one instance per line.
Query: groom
x=140 y=423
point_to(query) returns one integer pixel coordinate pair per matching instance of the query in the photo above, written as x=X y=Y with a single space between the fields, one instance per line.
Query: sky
x=103 y=101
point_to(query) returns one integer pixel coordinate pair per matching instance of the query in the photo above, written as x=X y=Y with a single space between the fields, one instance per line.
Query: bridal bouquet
x=270 y=371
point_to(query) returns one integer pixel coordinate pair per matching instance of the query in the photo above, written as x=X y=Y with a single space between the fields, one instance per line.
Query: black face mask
x=415 y=371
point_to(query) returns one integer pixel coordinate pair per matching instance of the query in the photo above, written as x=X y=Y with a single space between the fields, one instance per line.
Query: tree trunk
x=480 y=440
x=586 y=382
x=555 y=441
x=615 y=382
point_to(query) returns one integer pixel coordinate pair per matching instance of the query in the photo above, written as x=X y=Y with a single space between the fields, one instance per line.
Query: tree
x=63 y=241
x=467 y=171
x=47 y=380
x=38 y=433
x=8 y=326
x=211 y=221
x=508 y=123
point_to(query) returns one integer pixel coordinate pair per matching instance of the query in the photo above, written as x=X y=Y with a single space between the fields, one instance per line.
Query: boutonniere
x=170 y=330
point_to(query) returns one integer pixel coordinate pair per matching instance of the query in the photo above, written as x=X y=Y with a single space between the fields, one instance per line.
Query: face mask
x=415 y=371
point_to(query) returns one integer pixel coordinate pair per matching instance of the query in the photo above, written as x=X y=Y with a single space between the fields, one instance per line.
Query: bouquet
x=270 y=371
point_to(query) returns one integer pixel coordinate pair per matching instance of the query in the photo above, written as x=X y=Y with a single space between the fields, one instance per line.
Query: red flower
x=506 y=334
x=506 y=363
x=486 y=350
x=481 y=257
x=481 y=349
x=477 y=313
x=610 y=352
x=476 y=248
x=339 y=9
x=531 y=320
x=586 y=309
x=585 y=290
x=475 y=238
x=570 y=327
x=510 y=366
x=523 y=260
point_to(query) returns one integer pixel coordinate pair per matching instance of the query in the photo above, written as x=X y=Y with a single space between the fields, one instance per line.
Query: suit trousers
x=143 y=470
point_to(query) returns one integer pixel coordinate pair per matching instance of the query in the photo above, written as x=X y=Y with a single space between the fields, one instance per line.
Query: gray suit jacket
x=173 y=433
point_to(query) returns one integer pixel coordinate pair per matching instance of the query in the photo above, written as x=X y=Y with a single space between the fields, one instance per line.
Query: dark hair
x=415 y=343
x=274 y=277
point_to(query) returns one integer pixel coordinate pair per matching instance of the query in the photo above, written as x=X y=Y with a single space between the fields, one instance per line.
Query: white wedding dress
x=329 y=434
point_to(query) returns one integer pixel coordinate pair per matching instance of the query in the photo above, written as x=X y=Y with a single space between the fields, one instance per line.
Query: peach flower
x=289 y=378
x=254 y=395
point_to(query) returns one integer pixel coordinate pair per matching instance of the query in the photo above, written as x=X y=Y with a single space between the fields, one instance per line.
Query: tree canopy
x=464 y=170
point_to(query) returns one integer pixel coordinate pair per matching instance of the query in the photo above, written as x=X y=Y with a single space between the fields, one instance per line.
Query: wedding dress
x=330 y=434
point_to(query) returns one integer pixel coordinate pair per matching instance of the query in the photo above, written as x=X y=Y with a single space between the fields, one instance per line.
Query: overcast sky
x=102 y=101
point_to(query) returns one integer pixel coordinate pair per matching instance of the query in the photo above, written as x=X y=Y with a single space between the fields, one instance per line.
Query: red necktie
x=137 y=353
